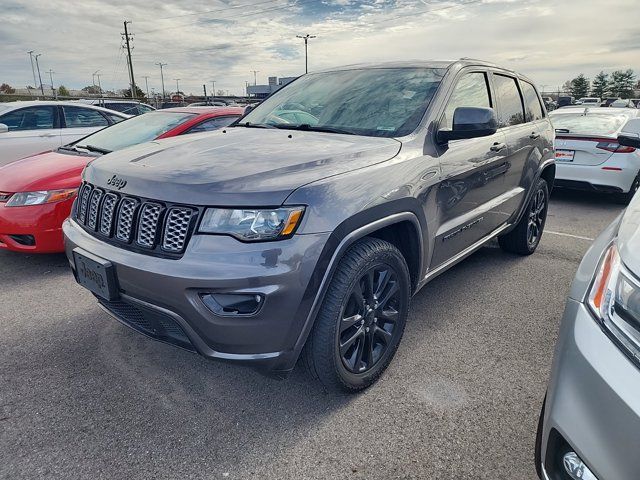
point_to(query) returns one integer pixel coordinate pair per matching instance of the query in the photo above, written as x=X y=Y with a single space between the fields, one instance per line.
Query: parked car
x=272 y=236
x=588 y=155
x=589 y=101
x=590 y=423
x=564 y=100
x=32 y=127
x=36 y=193
x=165 y=105
x=130 y=107
x=623 y=103
x=608 y=101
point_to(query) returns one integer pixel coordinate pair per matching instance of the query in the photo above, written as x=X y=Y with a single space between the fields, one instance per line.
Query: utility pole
x=94 y=75
x=246 y=88
x=160 y=64
x=146 y=82
x=177 y=85
x=39 y=76
x=33 y=69
x=255 y=76
x=204 y=87
x=306 y=53
x=127 y=38
x=213 y=91
x=51 y=72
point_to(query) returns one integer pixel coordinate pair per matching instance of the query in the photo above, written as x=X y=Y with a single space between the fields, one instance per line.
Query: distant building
x=263 y=91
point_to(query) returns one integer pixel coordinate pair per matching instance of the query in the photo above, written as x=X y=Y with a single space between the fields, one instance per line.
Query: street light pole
x=160 y=64
x=51 y=72
x=33 y=70
x=213 y=89
x=96 y=74
x=255 y=76
x=306 y=52
x=39 y=76
x=146 y=82
x=177 y=85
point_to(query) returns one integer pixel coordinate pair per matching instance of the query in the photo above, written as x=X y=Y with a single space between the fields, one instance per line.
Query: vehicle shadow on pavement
x=591 y=199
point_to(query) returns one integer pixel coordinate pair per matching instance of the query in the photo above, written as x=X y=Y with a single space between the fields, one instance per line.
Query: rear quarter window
x=510 y=108
x=533 y=108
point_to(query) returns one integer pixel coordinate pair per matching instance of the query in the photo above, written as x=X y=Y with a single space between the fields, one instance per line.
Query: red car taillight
x=614 y=147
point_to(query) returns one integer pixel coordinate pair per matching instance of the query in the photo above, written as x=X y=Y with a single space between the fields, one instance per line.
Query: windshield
x=133 y=131
x=381 y=102
x=589 y=124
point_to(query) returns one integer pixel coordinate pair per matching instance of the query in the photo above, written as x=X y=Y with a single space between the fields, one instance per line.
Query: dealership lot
x=83 y=397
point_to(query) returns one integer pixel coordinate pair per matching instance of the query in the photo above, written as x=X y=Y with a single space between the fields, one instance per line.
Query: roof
x=46 y=103
x=205 y=110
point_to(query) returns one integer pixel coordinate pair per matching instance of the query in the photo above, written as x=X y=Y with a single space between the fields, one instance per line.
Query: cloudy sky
x=224 y=40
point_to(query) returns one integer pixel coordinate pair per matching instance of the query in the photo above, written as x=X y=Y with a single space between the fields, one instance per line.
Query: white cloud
x=223 y=40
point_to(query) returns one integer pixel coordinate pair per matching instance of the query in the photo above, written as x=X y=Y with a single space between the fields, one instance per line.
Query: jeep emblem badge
x=116 y=182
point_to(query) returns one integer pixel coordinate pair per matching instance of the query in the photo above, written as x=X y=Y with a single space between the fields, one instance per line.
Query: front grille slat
x=176 y=229
x=138 y=224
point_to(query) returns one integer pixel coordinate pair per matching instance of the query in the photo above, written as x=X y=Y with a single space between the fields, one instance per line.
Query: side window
x=30 y=118
x=144 y=109
x=510 y=110
x=532 y=102
x=471 y=91
x=75 y=117
x=212 y=124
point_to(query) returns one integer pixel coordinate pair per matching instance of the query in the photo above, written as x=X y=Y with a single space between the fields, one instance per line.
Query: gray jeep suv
x=303 y=230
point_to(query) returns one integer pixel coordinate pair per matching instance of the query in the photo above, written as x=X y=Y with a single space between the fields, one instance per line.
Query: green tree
x=91 y=89
x=600 y=85
x=139 y=92
x=63 y=91
x=6 y=88
x=622 y=83
x=580 y=86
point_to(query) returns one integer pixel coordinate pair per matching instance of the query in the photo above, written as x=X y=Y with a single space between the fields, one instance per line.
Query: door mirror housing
x=470 y=122
x=630 y=134
x=3 y=128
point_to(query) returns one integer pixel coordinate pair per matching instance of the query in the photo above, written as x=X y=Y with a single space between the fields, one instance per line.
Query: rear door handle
x=534 y=136
x=496 y=147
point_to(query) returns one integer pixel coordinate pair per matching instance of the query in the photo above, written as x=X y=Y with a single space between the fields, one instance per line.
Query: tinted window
x=128 y=108
x=381 y=102
x=213 y=124
x=534 y=109
x=509 y=101
x=76 y=117
x=471 y=91
x=30 y=118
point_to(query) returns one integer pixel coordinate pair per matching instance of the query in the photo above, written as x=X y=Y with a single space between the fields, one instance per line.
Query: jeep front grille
x=134 y=223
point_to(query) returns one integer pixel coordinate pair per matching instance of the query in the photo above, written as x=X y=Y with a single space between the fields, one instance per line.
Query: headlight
x=38 y=198
x=615 y=299
x=250 y=224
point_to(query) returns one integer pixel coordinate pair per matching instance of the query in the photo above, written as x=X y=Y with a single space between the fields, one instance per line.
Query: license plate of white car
x=565 y=155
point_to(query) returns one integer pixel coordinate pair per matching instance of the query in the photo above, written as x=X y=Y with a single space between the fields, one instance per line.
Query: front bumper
x=283 y=273
x=585 y=177
x=593 y=401
x=34 y=228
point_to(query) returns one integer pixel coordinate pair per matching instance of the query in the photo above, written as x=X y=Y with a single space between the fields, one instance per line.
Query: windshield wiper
x=93 y=148
x=314 y=128
x=563 y=130
x=254 y=125
x=69 y=148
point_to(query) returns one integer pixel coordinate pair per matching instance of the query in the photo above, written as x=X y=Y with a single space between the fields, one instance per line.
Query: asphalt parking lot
x=82 y=396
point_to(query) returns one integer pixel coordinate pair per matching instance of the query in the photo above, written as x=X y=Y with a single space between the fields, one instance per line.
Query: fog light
x=230 y=304
x=575 y=468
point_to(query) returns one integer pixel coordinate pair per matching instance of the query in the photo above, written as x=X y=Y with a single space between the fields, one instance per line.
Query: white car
x=27 y=128
x=588 y=156
x=626 y=103
x=130 y=107
x=589 y=101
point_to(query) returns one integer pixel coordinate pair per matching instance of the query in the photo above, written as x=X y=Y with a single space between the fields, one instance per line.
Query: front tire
x=362 y=317
x=525 y=237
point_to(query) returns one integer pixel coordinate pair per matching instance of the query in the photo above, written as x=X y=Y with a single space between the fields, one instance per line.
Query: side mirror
x=248 y=108
x=470 y=122
x=3 y=128
x=630 y=134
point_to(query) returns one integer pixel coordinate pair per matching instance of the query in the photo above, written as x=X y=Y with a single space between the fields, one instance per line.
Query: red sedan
x=37 y=192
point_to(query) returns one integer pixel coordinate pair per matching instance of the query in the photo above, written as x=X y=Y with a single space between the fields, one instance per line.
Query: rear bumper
x=156 y=290
x=34 y=228
x=594 y=178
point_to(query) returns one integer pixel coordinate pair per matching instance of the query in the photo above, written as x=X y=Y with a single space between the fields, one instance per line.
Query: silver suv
x=310 y=222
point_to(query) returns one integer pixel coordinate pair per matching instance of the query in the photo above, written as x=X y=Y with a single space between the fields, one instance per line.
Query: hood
x=629 y=237
x=243 y=167
x=45 y=171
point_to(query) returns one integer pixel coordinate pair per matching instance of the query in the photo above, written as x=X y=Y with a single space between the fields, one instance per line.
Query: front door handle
x=496 y=147
x=534 y=136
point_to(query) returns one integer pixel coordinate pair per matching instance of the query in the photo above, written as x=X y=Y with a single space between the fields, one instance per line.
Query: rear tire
x=362 y=317
x=625 y=198
x=525 y=237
